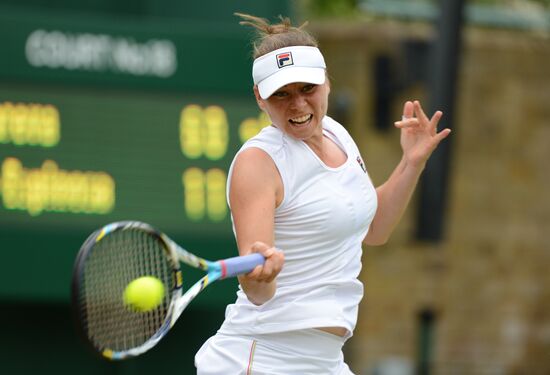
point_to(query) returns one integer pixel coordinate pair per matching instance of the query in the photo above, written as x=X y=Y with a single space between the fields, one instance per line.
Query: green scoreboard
x=104 y=120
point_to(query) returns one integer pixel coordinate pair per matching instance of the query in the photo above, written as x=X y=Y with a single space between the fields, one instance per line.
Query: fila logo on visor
x=284 y=59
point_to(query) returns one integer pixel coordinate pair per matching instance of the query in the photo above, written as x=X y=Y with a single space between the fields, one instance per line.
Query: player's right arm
x=255 y=191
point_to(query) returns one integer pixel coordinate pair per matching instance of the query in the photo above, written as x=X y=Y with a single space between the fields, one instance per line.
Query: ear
x=259 y=99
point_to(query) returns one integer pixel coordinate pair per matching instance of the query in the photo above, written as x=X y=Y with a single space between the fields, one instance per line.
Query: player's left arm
x=419 y=138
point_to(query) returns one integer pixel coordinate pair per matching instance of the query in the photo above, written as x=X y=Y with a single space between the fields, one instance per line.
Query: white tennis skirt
x=303 y=352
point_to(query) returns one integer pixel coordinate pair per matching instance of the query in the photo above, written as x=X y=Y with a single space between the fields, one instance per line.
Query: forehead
x=295 y=85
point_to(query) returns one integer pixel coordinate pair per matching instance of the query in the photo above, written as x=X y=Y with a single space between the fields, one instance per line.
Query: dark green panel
x=40 y=339
x=120 y=7
x=91 y=50
x=170 y=44
x=134 y=139
x=216 y=10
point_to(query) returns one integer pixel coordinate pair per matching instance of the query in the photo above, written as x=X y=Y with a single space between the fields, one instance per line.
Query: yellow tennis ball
x=144 y=294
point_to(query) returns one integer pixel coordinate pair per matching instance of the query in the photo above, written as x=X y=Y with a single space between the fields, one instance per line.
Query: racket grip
x=232 y=267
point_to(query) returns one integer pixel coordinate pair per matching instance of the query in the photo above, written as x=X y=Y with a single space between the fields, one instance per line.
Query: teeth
x=301 y=119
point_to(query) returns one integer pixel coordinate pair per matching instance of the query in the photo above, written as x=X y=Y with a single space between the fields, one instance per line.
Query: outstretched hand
x=419 y=136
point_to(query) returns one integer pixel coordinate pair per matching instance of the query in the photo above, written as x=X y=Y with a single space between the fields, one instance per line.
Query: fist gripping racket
x=121 y=252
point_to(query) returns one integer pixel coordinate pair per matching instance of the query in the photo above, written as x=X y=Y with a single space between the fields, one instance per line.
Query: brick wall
x=488 y=283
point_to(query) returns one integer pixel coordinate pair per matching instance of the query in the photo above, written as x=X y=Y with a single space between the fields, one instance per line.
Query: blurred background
x=113 y=110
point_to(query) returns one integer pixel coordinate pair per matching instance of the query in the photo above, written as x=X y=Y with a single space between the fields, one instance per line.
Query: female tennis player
x=300 y=195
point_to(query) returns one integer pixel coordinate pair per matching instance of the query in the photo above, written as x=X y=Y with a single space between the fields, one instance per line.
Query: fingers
x=408 y=110
x=408 y=120
x=442 y=135
x=411 y=122
x=269 y=270
x=414 y=116
x=436 y=117
x=420 y=112
x=273 y=263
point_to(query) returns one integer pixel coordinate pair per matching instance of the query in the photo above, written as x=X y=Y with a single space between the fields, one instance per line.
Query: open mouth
x=301 y=120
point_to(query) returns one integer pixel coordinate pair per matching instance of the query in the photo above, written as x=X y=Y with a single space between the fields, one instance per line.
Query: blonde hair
x=271 y=37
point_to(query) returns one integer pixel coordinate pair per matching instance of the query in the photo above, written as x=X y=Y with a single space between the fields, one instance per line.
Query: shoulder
x=268 y=134
x=253 y=157
x=271 y=141
x=256 y=161
x=254 y=174
x=261 y=153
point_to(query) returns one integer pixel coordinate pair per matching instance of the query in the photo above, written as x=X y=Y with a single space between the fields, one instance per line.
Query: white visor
x=288 y=65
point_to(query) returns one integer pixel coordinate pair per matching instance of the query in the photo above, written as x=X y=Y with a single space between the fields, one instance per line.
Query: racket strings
x=113 y=263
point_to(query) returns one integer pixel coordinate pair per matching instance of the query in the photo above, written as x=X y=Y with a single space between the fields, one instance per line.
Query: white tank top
x=320 y=224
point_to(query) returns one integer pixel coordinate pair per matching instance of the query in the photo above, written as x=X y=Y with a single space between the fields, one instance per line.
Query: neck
x=317 y=144
x=328 y=151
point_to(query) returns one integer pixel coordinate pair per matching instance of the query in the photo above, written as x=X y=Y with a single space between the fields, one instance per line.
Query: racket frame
x=215 y=270
x=78 y=274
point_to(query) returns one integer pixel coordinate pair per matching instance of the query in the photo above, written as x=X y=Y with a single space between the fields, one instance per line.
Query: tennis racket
x=115 y=255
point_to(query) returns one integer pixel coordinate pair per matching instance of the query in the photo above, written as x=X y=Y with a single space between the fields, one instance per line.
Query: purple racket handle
x=242 y=264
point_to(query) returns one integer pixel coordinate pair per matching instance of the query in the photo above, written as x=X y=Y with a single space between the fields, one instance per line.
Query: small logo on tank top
x=361 y=164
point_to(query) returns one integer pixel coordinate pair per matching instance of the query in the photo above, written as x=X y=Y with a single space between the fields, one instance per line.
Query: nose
x=298 y=100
